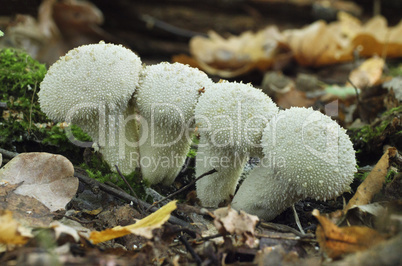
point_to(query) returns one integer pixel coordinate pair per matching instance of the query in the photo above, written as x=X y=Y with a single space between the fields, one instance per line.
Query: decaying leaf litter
x=362 y=92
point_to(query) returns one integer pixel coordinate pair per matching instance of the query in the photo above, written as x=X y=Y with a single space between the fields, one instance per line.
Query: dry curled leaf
x=237 y=55
x=336 y=42
x=330 y=46
x=337 y=241
x=240 y=223
x=143 y=227
x=373 y=182
x=49 y=178
x=368 y=73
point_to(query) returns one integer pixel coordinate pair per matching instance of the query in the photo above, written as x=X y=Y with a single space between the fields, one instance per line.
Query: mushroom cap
x=233 y=115
x=169 y=92
x=309 y=151
x=88 y=76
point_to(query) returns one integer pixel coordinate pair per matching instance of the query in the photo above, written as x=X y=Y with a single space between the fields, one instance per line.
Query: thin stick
x=126 y=197
x=183 y=188
x=8 y=154
x=297 y=238
x=356 y=91
x=283 y=228
x=30 y=108
x=197 y=259
x=169 y=27
x=297 y=220
x=140 y=207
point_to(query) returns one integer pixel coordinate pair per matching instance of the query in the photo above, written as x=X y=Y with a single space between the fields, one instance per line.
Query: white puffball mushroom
x=307 y=155
x=230 y=118
x=92 y=86
x=166 y=98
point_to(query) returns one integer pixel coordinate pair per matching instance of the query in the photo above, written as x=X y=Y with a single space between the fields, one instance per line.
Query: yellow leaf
x=10 y=230
x=143 y=227
x=368 y=73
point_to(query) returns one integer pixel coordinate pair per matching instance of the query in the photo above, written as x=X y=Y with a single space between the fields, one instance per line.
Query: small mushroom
x=307 y=155
x=92 y=86
x=230 y=119
x=166 y=99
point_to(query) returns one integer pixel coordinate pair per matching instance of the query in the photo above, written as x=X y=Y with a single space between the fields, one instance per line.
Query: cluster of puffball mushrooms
x=146 y=116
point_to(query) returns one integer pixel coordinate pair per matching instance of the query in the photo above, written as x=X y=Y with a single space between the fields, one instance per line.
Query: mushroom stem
x=121 y=148
x=274 y=194
x=220 y=186
x=163 y=153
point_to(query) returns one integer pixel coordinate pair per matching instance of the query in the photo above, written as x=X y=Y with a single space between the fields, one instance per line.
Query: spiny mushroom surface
x=230 y=118
x=307 y=154
x=166 y=99
x=91 y=86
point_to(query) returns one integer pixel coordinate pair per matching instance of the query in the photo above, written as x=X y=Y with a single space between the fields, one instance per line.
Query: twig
x=197 y=259
x=297 y=220
x=206 y=238
x=184 y=187
x=30 y=108
x=154 y=22
x=356 y=90
x=296 y=238
x=283 y=228
x=8 y=154
x=77 y=220
x=124 y=196
x=140 y=207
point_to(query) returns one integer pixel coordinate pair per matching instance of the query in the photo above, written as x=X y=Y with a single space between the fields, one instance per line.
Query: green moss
x=19 y=73
x=20 y=76
x=395 y=70
x=23 y=126
x=56 y=136
x=390 y=176
x=361 y=176
x=369 y=132
x=193 y=150
x=98 y=169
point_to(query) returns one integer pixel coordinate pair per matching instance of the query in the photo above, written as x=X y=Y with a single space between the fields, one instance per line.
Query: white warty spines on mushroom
x=91 y=86
x=230 y=119
x=307 y=154
x=166 y=98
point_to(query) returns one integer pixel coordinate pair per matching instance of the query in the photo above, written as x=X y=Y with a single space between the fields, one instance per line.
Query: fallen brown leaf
x=319 y=44
x=336 y=241
x=26 y=210
x=240 y=223
x=46 y=177
x=293 y=97
x=373 y=182
x=237 y=55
